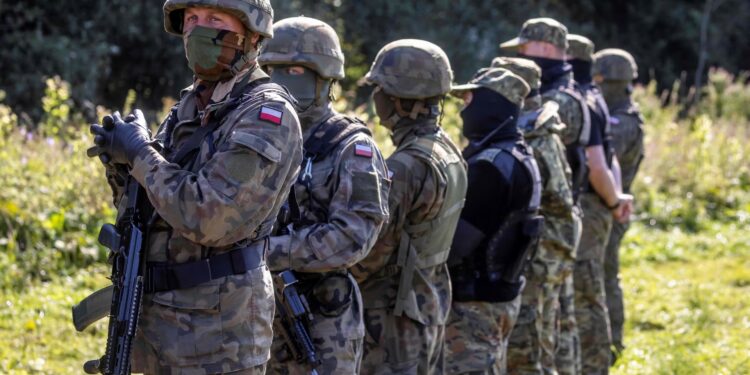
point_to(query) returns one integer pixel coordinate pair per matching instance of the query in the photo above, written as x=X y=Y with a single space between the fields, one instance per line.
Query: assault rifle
x=127 y=243
x=295 y=317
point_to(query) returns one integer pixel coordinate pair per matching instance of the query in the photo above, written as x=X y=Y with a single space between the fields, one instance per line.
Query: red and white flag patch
x=364 y=151
x=271 y=115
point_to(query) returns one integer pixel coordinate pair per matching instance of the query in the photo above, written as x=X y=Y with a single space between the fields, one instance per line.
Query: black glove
x=118 y=141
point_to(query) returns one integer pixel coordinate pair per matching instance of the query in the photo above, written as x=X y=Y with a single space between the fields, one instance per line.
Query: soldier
x=614 y=72
x=499 y=224
x=216 y=176
x=535 y=337
x=544 y=40
x=342 y=196
x=591 y=313
x=405 y=282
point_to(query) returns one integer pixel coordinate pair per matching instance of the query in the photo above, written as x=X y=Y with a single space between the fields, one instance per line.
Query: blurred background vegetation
x=105 y=48
x=686 y=262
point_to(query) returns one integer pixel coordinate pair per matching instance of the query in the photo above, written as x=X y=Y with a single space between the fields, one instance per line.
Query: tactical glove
x=119 y=141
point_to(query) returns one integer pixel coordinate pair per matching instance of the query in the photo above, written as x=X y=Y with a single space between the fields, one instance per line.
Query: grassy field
x=686 y=295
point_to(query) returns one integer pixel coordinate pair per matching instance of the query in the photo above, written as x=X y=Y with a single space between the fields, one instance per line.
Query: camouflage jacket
x=234 y=188
x=342 y=214
x=571 y=109
x=417 y=195
x=544 y=136
x=627 y=137
x=343 y=211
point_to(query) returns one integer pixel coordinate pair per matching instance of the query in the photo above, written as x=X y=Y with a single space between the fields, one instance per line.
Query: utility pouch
x=332 y=295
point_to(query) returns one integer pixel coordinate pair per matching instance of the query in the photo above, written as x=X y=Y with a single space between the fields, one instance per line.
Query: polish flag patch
x=364 y=151
x=271 y=115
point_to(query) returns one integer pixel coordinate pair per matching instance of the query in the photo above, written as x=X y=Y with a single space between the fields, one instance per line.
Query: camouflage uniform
x=479 y=327
x=592 y=315
x=559 y=87
x=342 y=198
x=534 y=339
x=405 y=282
x=227 y=197
x=617 y=69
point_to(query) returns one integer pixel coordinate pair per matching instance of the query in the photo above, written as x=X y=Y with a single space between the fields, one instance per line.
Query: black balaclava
x=581 y=71
x=487 y=110
x=552 y=69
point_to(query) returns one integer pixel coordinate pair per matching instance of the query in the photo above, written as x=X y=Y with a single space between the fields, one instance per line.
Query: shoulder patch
x=363 y=150
x=271 y=115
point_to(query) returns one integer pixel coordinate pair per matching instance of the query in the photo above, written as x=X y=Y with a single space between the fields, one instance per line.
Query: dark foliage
x=103 y=48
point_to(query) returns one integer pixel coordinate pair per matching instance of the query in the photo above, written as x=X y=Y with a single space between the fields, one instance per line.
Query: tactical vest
x=576 y=153
x=427 y=244
x=519 y=232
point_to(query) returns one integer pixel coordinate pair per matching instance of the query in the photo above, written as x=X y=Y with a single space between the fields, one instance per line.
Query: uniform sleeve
x=234 y=190
x=356 y=213
x=571 y=114
x=409 y=177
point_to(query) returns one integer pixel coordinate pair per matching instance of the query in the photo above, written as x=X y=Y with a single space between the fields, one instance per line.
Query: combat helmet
x=256 y=15
x=306 y=42
x=614 y=64
x=411 y=69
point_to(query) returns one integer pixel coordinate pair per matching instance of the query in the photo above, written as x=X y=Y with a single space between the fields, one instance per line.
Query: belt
x=162 y=277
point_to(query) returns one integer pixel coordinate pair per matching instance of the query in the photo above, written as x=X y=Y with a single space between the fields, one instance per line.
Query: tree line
x=105 y=48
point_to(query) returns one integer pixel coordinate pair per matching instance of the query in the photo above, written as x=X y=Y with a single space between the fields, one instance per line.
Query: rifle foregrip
x=91 y=367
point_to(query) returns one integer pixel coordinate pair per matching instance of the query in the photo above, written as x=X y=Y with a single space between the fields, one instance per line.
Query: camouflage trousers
x=532 y=344
x=568 y=351
x=590 y=297
x=401 y=345
x=612 y=283
x=220 y=327
x=150 y=365
x=337 y=338
x=476 y=337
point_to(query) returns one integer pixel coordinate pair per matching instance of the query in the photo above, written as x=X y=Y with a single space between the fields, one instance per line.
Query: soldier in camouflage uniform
x=216 y=176
x=614 y=72
x=591 y=310
x=405 y=282
x=543 y=40
x=533 y=342
x=492 y=244
x=342 y=195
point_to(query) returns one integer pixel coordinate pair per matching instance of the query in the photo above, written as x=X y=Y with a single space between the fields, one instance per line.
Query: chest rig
x=507 y=251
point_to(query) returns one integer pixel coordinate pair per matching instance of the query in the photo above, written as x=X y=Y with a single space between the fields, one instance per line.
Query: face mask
x=486 y=112
x=385 y=108
x=216 y=55
x=302 y=86
x=615 y=91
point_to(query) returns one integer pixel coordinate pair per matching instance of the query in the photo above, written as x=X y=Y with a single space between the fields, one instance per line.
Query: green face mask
x=304 y=87
x=216 y=55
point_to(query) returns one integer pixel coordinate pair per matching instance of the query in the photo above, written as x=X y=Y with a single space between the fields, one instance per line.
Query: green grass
x=686 y=300
x=687 y=310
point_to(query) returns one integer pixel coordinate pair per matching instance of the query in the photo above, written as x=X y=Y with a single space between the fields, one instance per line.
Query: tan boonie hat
x=524 y=68
x=540 y=30
x=500 y=80
x=580 y=48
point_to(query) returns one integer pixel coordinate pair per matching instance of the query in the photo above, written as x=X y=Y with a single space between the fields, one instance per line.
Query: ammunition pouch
x=329 y=294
